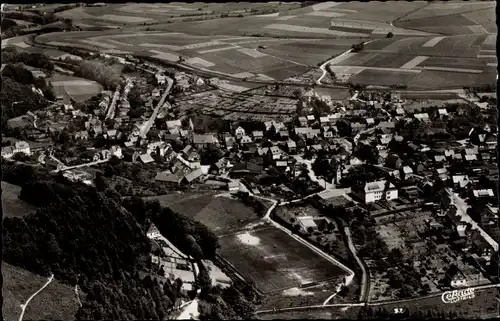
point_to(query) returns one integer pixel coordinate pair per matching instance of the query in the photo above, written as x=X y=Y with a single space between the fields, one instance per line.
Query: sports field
x=274 y=260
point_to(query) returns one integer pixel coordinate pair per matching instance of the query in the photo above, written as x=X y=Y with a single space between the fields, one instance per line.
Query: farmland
x=268 y=256
x=12 y=206
x=57 y=301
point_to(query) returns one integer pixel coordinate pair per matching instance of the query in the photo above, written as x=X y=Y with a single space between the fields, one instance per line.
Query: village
x=374 y=153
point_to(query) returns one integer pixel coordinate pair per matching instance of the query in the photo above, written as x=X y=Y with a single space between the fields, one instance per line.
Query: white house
x=379 y=190
x=116 y=151
x=239 y=132
x=22 y=147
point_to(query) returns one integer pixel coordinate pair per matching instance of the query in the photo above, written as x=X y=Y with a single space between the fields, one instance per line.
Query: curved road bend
x=25 y=305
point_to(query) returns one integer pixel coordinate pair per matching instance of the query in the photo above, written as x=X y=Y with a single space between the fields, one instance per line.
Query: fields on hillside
x=441 y=9
x=56 y=302
x=274 y=260
x=12 y=206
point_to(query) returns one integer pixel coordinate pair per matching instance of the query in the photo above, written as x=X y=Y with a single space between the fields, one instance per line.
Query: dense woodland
x=83 y=233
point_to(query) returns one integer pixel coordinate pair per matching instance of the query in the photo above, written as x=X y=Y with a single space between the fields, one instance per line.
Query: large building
x=380 y=190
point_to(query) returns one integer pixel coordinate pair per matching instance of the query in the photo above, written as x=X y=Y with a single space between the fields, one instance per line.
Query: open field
x=79 y=89
x=220 y=214
x=56 y=302
x=439 y=9
x=12 y=206
x=383 y=77
x=274 y=260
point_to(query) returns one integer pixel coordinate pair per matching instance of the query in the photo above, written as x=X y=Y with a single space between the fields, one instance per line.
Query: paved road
x=365 y=281
x=386 y=302
x=25 y=305
x=323 y=66
x=111 y=109
x=65 y=168
x=145 y=129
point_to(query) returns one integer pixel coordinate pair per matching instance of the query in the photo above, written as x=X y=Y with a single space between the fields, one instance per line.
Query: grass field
x=12 y=206
x=56 y=302
x=79 y=89
x=274 y=260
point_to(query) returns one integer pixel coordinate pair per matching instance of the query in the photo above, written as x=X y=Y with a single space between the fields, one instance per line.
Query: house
x=275 y=152
x=387 y=126
x=22 y=147
x=407 y=172
x=7 y=152
x=204 y=140
x=370 y=121
x=245 y=169
x=155 y=93
x=116 y=151
x=303 y=121
x=310 y=118
x=221 y=166
x=423 y=117
x=257 y=135
x=171 y=124
x=379 y=190
x=291 y=146
x=483 y=193
x=169 y=177
x=82 y=135
x=239 y=132
x=442 y=112
x=246 y=140
x=385 y=139
x=194 y=175
x=230 y=142
x=111 y=134
x=454 y=277
x=284 y=134
x=307 y=224
x=393 y=161
x=357 y=127
x=146 y=158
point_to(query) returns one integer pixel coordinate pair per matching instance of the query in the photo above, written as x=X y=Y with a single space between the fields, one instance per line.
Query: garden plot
x=485 y=18
x=200 y=62
x=252 y=52
x=429 y=79
x=274 y=260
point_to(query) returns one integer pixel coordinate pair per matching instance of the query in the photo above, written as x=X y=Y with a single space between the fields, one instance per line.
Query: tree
x=389 y=35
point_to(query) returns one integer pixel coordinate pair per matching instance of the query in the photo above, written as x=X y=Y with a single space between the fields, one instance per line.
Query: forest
x=84 y=234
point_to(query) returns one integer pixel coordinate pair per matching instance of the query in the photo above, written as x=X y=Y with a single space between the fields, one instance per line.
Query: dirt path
x=25 y=305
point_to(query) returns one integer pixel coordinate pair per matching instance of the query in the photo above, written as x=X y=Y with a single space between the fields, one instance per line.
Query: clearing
x=12 y=206
x=56 y=302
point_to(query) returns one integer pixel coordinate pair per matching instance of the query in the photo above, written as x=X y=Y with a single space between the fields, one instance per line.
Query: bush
x=390 y=35
x=99 y=72
x=37 y=60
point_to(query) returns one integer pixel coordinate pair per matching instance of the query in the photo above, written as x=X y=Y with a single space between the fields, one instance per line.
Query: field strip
x=415 y=71
x=21 y=45
x=350 y=24
x=469 y=71
x=295 y=28
x=244 y=74
x=492 y=64
x=254 y=53
x=414 y=62
x=341 y=58
x=124 y=19
x=325 y=5
x=199 y=61
x=328 y=14
x=265 y=77
x=487 y=50
x=486 y=56
x=285 y=17
x=434 y=41
x=399 y=31
x=270 y=15
x=164 y=55
x=98 y=44
x=116 y=42
x=216 y=49
x=202 y=45
x=73 y=82
x=490 y=39
x=157 y=45
x=478 y=29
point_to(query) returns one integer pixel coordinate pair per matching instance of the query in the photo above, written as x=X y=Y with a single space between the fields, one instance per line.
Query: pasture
x=57 y=301
x=12 y=206
x=274 y=260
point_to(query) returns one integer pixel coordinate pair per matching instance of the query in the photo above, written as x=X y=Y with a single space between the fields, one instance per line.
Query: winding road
x=25 y=305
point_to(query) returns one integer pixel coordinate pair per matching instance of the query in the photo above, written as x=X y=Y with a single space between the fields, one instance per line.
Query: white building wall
x=392 y=194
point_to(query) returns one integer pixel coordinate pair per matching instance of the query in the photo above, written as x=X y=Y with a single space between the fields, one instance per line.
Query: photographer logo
x=457 y=295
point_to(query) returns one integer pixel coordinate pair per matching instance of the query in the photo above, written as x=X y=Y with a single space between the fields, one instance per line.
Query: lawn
x=12 y=206
x=274 y=260
x=56 y=302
